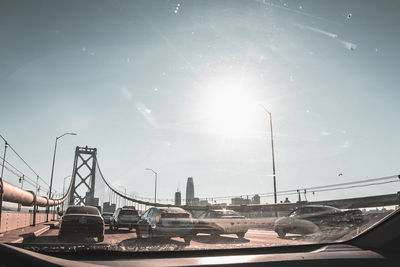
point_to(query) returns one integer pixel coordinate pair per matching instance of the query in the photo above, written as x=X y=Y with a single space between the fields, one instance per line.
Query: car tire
x=138 y=235
x=187 y=240
x=281 y=233
x=241 y=235
x=60 y=237
x=150 y=234
x=100 y=238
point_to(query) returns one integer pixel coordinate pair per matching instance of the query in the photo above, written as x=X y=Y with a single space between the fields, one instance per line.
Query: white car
x=216 y=222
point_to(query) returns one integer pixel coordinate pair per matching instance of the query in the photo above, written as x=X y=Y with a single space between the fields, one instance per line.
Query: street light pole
x=52 y=170
x=1 y=178
x=273 y=153
x=155 y=184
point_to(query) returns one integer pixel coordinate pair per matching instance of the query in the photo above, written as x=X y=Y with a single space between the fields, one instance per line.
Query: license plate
x=82 y=220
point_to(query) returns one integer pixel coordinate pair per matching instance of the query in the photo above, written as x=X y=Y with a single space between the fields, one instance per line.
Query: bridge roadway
x=126 y=240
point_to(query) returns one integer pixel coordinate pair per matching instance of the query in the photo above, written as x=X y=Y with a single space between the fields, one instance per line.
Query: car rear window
x=82 y=210
x=175 y=215
x=172 y=210
x=128 y=212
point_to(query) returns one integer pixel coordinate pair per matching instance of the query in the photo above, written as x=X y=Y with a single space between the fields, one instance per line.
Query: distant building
x=255 y=199
x=236 y=201
x=178 y=198
x=240 y=201
x=90 y=200
x=107 y=207
x=189 y=191
x=204 y=202
x=196 y=201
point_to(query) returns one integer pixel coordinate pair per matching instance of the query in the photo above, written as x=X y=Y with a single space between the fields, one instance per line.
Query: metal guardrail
x=14 y=194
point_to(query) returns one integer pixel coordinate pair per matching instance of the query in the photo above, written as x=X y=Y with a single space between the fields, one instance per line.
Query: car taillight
x=158 y=219
x=190 y=219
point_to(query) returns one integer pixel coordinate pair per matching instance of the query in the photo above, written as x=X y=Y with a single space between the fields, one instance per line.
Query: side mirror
x=60 y=213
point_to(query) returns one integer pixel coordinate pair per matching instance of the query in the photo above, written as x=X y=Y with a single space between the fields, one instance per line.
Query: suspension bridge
x=88 y=186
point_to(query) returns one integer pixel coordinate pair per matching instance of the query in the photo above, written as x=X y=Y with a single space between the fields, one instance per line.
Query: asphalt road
x=126 y=240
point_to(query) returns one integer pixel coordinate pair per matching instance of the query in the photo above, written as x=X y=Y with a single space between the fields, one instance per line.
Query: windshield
x=220 y=124
x=128 y=212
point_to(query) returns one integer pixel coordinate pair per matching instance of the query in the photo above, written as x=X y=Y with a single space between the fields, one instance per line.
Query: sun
x=229 y=108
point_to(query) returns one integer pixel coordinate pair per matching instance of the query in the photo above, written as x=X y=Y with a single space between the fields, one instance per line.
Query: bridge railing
x=14 y=194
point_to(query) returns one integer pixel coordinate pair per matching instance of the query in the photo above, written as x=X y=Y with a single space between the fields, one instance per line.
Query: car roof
x=126 y=208
x=326 y=207
x=222 y=210
x=82 y=207
x=79 y=206
x=172 y=210
x=318 y=206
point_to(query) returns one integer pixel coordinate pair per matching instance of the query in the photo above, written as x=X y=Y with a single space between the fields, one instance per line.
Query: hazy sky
x=176 y=86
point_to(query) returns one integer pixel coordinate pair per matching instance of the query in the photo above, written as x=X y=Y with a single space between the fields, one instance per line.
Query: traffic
x=162 y=224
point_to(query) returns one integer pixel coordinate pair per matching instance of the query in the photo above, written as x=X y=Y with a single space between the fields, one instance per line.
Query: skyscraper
x=178 y=198
x=189 y=191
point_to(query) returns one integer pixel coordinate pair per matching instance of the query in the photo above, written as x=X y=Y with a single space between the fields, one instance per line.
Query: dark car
x=107 y=216
x=124 y=218
x=309 y=219
x=83 y=221
x=222 y=221
x=166 y=222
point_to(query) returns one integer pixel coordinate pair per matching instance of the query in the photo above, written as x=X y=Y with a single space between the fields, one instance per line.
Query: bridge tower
x=84 y=173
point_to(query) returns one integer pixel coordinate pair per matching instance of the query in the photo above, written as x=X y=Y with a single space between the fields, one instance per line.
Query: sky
x=176 y=86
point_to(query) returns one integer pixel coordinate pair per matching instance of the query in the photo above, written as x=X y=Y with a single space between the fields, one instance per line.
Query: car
x=107 y=216
x=309 y=219
x=223 y=221
x=82 y=220
x=166 y=222
x=124 y=217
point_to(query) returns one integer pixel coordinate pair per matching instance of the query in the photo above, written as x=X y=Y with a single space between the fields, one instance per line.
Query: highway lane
x=126 y=240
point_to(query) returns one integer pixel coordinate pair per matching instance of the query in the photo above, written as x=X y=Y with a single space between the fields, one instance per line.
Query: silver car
x=223 y=221
x=166 y=222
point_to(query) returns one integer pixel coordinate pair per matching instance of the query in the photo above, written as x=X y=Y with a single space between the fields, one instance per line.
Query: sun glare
x=230 y=108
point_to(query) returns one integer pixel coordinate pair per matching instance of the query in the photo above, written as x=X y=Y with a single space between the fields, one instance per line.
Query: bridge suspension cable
x=16 y=153
x=125 y=196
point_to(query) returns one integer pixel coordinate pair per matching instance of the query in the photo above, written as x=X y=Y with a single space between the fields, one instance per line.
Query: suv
x=124 y=217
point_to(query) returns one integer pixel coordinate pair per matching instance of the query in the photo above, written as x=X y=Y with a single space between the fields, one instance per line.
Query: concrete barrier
x=14 y=220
